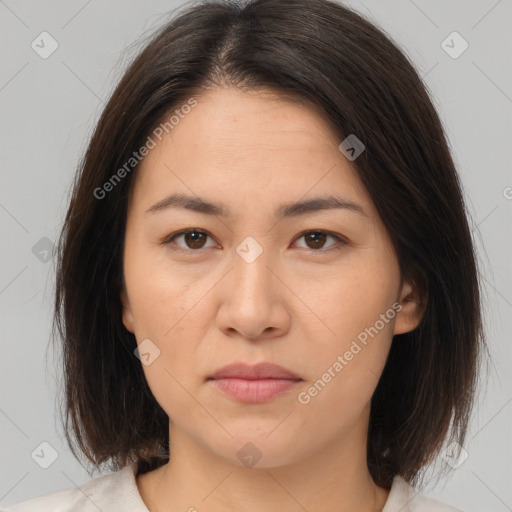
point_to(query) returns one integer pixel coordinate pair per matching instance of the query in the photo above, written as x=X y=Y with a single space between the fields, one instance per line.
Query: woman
x=266 y=286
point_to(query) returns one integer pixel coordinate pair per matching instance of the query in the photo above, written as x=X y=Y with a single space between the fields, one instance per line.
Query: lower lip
x=254 y=391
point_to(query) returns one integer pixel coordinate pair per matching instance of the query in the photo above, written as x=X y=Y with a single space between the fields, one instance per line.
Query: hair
x=328 y=56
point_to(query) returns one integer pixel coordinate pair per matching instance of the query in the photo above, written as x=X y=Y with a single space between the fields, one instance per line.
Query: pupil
x=313 y=236
x=194 y=235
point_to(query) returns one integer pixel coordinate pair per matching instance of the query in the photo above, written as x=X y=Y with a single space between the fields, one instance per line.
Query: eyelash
x=168 y=240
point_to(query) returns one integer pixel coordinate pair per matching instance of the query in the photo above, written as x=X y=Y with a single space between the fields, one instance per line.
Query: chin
x=259 y=451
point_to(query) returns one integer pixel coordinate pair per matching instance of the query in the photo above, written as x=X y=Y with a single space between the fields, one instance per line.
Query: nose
x=253 y=299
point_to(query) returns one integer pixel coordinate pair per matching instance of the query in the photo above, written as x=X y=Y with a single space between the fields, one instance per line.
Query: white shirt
x=118 y=492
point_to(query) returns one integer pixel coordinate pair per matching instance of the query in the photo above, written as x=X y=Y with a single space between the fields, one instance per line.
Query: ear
x=126 y=311
x=412 y=309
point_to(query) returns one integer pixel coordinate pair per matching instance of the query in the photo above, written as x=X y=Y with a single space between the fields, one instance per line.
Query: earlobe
x=412 y=309
x=126 y=312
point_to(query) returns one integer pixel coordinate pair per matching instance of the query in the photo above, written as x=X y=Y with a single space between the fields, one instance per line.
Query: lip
x=246 y=371
x=254 y=383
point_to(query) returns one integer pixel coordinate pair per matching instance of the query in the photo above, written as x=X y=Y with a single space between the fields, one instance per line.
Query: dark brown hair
x=336 y=60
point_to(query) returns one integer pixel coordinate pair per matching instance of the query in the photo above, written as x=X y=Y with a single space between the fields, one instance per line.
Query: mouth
x=254 y=383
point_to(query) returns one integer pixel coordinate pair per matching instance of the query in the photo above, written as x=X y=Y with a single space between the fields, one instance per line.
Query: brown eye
x=315 y=240
x=194 y=239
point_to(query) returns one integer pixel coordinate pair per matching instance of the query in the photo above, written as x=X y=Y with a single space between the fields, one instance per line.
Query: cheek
x=159 y=295
x=164 y=315
x=168 y=387
x=355 y=306
x=349 y=300
x=344 y=378
x=175 y=334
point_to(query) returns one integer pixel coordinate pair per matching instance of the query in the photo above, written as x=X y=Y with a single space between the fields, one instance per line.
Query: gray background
x=49 y=107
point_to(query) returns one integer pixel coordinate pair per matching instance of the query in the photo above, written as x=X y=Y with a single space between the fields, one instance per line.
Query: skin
x=292 y=306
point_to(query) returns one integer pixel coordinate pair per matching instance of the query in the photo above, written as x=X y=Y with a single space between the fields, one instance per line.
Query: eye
x=316 y=239
x=195 y=239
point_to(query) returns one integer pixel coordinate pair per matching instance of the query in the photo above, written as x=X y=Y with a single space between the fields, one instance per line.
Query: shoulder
x=405 y=498
x=103 y=493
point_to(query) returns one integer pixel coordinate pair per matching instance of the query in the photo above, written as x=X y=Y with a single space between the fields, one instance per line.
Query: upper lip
x=253 y=372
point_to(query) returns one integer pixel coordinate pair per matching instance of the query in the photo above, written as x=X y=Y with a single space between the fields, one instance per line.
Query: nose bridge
x=260 y=278
x=251 y=273
x=249 y=299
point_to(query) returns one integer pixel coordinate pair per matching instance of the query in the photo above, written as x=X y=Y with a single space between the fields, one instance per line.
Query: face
x=315 y=291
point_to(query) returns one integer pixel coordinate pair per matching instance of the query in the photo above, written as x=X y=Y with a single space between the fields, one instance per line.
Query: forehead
x=248 y=143
x=229 y=114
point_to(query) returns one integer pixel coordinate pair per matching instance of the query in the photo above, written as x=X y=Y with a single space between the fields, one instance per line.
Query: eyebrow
x=199 y=205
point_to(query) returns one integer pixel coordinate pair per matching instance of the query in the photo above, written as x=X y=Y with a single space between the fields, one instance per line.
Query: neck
x=196 y=478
